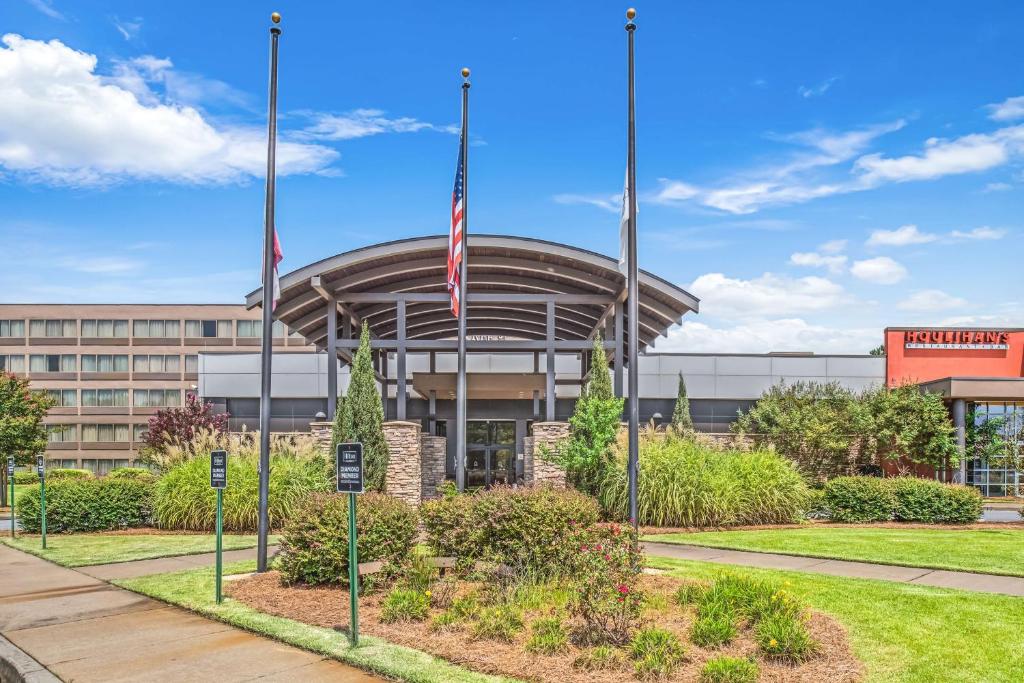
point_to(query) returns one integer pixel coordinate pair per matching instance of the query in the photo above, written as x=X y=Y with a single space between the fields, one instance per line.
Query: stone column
x=404 y=476
x=433 y=452
x=537 y=469
x=321 y=431
x=960 y=425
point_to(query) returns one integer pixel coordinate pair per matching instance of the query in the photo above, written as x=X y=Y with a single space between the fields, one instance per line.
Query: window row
x=92 y=433
x=100 y=362
x=118 y=329
x=114 y=398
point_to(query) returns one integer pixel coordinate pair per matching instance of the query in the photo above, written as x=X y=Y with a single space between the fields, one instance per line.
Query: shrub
x=527 y=527
x=445 y=621
x=499 y=622
x=67 y=473
x=404 y=604
x=606 y=566
x=714 y=629
x=687 y=483
x=729 y=670
x=22 y=478
x=690 y=592
x=547 y=636
x=859 y=499
x=784 y=637
x=88 y=505
x=131 y=473
x=932 y=502
x=185 y=500
x=656 y=653
x=314 y=546
x=600 y=658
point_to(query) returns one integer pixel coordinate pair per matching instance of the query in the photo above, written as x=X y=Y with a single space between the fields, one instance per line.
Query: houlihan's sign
x=992 y=340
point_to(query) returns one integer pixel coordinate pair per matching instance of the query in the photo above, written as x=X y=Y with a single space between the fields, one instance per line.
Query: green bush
x=88 y=505
x=314 y=545
x=547 y=636
x=499 y=622
x=67 y=473
x=714 y=629
x=404 y=604
x=527 y=527
x=184 y=499
x=784 y=637
x=932 y=502
x=686 y=483
x=859 y=499
x=656 y=653
x=690 y=592
x=600 y=658
x=729 y=670
x=131 y=473
x=22 y=478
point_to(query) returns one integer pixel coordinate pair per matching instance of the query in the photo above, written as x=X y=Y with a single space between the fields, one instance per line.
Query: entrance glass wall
x=995 y=447
x=490 y=452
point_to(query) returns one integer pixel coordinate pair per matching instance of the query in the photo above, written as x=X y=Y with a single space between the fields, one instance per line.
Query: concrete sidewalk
x=83 y=629
x=983 y=583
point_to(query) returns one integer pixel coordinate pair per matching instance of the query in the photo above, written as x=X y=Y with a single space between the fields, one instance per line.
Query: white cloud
x=835 y=264
x=674 y=191
x=761 y=336
x=967 y=154
x=47 y=8
x=808 y=92
x=900 y=237
x=982 y=233
x=880 y=271
x=997 y=187
x=1009 y=109
x=930 y=300
x=611 y=203
x=767 y=295
x=139 y=74
x=62 y=123
x=362 y=123
x=103 y=265
x=128 y=28
x=833 y=246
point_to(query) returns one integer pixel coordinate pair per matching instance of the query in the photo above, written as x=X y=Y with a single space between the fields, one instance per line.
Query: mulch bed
x=328 y=607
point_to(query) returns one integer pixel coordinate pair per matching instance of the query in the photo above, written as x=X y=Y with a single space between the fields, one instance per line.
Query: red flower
x=624 y=589
x=598 y=547
x=607 y=558
x=583 y=548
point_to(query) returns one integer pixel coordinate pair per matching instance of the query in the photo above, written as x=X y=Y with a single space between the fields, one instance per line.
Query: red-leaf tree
x=179 y=425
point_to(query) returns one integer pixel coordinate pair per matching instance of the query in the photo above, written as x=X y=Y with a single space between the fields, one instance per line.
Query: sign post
x=10 y=478
x=41 y=469
x=219 y=481
x=349 y=469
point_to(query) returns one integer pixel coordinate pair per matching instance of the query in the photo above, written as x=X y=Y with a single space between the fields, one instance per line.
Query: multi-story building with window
x=109 y=368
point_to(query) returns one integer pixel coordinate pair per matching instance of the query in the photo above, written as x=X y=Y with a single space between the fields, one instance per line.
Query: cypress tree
x=681 y=420
x=361 y=416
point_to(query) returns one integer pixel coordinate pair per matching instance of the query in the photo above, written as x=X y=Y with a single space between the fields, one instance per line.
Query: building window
x=156 y=363
x=208 y=329
x=106 y=433
x=995 y=441
x=250 y=328
x=139 y=432
x=62 y=463
x=62 y=398
x=12 y=363
x=157 y=398
x=12 y=328
x=156 y=328
x=105 y=329
x=104 y=363
x=52 y=363
x=192 y=364
x=61 y=433
x=105 y=398
x=53 y=328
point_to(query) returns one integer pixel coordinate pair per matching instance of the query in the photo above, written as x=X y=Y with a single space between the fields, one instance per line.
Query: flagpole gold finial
x=465 y=72
x=276 y=17
x=631 y=14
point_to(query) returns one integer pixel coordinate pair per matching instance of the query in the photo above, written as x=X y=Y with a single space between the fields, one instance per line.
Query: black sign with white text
x=219 y=469
x=40 y=466
x=10 y=465
x=349 y=466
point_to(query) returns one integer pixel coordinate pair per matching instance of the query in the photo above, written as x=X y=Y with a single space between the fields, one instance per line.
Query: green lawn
x=906 y=633
x=79 y=550
x=991 y=551
x=194 y=590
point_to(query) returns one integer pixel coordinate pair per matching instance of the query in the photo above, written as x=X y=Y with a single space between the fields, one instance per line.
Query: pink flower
x=624 y=589
x=583 y=548
x=607 y=558
x=598 y=547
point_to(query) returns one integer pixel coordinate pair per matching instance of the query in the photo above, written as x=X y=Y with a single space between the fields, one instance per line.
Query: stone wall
x=321 y=431
x=404 y=479
x=537 y=469
x=433 y=454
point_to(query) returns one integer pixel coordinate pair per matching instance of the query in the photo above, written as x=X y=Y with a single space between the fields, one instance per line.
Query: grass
x=902 y=632
x=990 y=551
x=194 y=590
x=80 y=550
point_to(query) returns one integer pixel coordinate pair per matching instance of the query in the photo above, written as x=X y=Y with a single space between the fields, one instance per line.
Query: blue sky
x=813 y=172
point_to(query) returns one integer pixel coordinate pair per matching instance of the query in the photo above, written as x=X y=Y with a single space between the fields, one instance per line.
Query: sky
x=813 y=172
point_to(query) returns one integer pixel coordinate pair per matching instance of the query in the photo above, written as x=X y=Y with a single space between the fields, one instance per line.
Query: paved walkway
x=83 y=629
x=983 y=583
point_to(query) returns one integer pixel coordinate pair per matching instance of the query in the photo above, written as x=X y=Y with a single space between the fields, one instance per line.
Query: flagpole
x=632 y=296
x=266 y=350
x=460 y=391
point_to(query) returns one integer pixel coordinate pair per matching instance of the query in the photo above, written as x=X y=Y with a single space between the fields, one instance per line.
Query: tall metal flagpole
x=460 y=391
x=633 y=295
x=266 y=352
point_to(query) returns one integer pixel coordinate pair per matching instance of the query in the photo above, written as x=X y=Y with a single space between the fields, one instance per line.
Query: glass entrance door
x=490 y=451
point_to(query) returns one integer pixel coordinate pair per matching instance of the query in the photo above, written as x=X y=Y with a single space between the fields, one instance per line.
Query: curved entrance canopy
x=511 y=284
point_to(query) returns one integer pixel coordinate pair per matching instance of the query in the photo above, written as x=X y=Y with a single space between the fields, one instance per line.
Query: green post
x=220 y=533
x=11 y=477
x=42 y=506
x=353 y=570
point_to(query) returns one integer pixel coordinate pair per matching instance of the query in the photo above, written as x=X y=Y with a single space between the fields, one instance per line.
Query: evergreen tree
x=360 y=416
x=681 y=420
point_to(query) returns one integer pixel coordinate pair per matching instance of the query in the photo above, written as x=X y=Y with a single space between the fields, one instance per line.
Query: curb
x=18 y=667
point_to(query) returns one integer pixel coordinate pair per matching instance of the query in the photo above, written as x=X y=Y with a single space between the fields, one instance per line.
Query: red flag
x=278 y=256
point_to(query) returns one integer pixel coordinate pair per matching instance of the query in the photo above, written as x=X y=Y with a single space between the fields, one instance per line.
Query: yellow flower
x=428 y=594
x=773 y=643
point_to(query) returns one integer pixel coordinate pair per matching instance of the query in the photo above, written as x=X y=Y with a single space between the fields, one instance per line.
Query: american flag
x=455 y=238
x=278 y=256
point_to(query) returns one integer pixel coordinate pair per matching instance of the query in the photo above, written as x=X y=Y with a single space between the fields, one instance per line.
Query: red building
x=980 y=373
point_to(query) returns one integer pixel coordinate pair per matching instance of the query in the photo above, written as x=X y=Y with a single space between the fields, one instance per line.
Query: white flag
x=624 y=228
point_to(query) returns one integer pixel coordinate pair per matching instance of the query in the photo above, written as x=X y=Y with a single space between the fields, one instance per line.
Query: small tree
x=22 y=432
x=595 y=422
x=911 y=425
x=878 y=350
x=681 y=420
x=362 y=416
x=179 y=426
